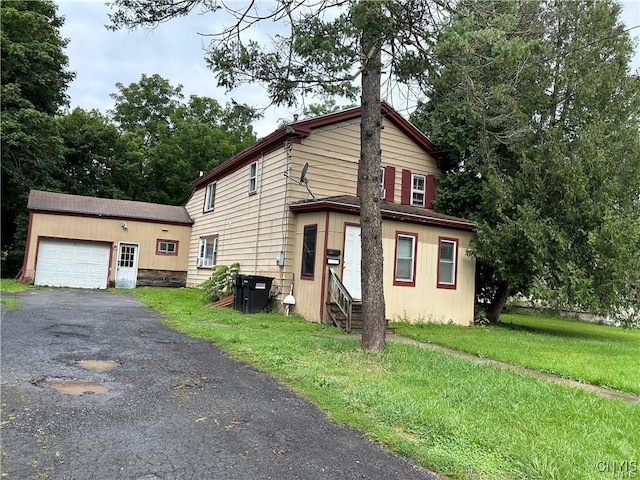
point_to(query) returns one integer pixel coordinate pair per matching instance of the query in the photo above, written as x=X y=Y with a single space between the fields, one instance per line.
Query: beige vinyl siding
x=110 y=230
x=421 y=303
x=307 y=292
x=250 y=228
x=333 y=153
x=425 y=302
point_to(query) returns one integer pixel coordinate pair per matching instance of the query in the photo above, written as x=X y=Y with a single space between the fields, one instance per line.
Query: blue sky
x=174 y=50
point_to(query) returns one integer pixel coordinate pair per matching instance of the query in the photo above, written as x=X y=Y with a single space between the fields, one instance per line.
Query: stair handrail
x=339 y=294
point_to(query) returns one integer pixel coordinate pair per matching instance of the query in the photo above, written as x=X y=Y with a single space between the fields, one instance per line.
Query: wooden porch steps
x=340 y=321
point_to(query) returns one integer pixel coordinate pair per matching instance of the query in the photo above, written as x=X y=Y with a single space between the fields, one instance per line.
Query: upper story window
x=253 y=177
x=207 y=251
x=405 y=265
x=309 y=251
x=383 y=192
x=210 y=197
x=418 y=183
x=447 y=262
x=166 y=247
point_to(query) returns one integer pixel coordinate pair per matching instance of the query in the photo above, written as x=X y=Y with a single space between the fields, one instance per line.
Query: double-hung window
x=207 y=251
x=418 y=183
x=309 y=251
x=383 y=192
x=210 y=197
x=447 y=262
x=253 y=177
x=405 y=265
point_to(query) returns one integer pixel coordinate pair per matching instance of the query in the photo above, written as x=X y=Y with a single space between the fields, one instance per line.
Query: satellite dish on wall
x=303 y=175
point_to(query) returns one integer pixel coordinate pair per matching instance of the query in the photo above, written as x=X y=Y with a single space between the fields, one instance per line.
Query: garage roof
x=105 y=207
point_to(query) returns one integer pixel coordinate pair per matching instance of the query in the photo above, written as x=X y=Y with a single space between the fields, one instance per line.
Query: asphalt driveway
x=94 y=387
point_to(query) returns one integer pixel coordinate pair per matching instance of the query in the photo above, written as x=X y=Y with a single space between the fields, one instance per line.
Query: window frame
x=210 y=197
x=253 y=178
x=422 y=192
x=402 y=282
x=159 y=251
x=454 y=270
x=200 y=263
x=304 y=275
x=383 y=190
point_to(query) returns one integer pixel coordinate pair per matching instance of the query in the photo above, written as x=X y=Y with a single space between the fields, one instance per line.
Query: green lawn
x=10 y=286
x=454 y=416
x=597 y=354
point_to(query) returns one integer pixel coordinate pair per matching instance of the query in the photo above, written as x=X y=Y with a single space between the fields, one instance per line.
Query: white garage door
x=72 y=263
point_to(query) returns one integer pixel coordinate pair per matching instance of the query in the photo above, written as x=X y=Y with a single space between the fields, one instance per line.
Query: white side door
x=127 y=266
x=352 y=261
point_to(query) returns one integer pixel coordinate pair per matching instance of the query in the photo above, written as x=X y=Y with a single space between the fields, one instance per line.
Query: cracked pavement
x=171 y=407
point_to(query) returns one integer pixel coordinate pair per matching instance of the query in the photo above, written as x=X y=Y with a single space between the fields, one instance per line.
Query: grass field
x=597 y=354
x=453 y=416
x=10 y=286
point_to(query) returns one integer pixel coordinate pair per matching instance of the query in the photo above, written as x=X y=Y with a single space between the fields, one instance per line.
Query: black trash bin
x=251 y=293
x=238 y=293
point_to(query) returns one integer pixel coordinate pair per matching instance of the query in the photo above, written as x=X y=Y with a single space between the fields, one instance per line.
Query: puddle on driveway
x=98 y=365
x=76 y=387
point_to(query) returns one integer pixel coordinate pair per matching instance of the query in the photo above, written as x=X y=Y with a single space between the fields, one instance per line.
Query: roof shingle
x=392 y=211
x=106 y=207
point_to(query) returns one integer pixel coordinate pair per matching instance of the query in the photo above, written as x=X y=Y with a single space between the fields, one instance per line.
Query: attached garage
x=72 y=263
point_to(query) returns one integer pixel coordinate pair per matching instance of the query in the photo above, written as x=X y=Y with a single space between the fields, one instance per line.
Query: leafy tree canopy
x=34 y=79
x=167 y=141
x=535 y=108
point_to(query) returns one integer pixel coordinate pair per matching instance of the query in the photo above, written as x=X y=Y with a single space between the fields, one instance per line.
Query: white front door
x=351 y=261
x=127 y=269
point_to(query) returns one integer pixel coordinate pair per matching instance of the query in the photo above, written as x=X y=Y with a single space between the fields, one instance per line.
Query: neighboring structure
x=87 y=242
x=253 y=209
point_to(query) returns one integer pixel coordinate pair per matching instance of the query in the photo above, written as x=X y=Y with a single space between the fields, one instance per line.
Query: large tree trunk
x=373 y=308
x=497 y=303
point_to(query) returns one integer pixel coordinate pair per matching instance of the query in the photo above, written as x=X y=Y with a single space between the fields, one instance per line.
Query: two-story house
x=254 y=209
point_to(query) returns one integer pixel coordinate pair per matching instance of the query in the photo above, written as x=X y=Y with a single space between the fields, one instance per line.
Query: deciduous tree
x=537 y=111
x=34 y=80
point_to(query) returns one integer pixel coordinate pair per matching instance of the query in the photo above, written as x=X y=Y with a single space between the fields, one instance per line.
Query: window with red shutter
x=405 y=196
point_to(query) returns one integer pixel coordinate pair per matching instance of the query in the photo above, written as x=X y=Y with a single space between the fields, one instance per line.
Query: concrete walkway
x=604 y=392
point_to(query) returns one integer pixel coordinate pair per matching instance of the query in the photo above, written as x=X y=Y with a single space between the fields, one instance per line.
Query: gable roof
x=49 y=202
x=390 y=211
x=303 y=129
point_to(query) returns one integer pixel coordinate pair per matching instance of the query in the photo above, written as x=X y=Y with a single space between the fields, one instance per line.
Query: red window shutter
x=358 y=181
x=431 y=191
x=405 y=197
x=389 y=183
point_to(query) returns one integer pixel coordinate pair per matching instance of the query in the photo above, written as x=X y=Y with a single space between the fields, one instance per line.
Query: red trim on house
x=302 y=274
x=430 y=191
x=296 y=131
x=405 y=283
x=389 y=183
x=323 y=287
x=448 y=286
x=26 y=249
x=172 y=254
x=405 y=195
